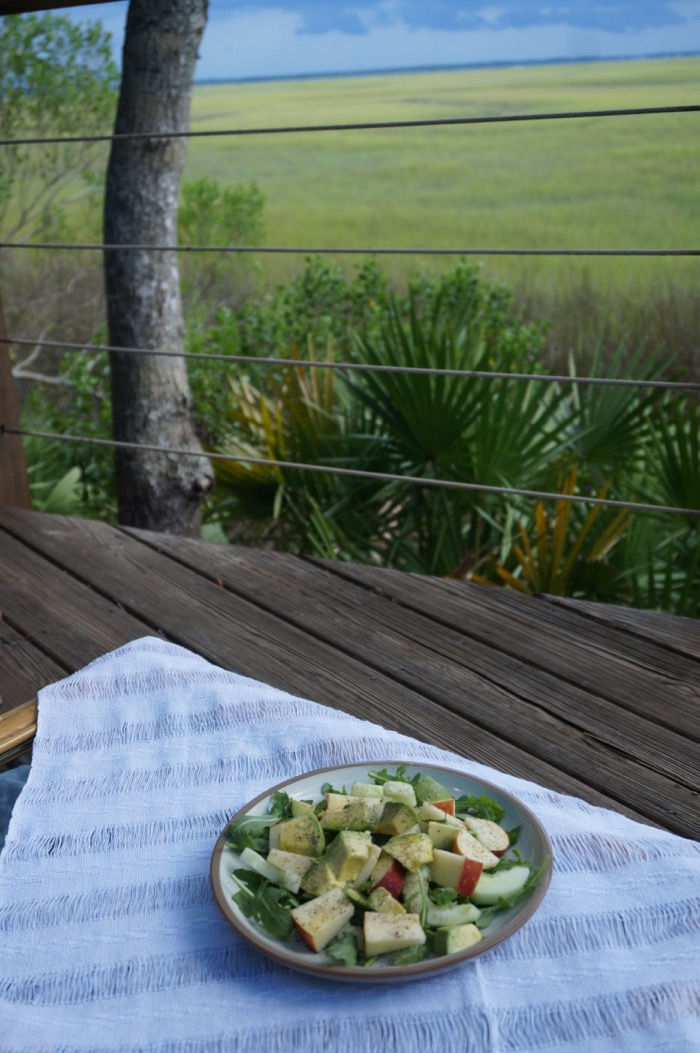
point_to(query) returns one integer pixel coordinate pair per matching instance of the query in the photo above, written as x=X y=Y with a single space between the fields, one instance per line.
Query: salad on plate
x=389 y=870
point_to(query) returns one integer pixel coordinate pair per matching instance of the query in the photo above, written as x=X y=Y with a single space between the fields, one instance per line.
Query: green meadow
x=616 y=182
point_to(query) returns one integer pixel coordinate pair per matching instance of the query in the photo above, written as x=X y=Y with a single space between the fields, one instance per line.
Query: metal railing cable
x=451 y=484
x=369 y=367
x=340 y=250
x=356 y=126
x=470 y=251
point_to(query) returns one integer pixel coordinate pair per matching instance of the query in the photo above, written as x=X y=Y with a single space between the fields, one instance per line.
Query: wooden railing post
x=14 y=484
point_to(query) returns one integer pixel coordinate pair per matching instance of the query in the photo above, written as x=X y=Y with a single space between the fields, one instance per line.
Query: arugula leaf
x=514 y=835
x=380 y=777
x=281 y=805
x=267 y=904
x=480 y=808
x=441 y=896
x=344 y=948
x=508 y=862
x=409 y=955
x=329 y=788
x=251 y=831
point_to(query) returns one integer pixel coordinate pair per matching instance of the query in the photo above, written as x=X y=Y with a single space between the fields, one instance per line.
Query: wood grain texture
x=638 y=762
x=18 y=726
x=530 y=687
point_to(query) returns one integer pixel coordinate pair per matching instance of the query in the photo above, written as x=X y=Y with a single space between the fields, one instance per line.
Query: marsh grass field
x=592 y=183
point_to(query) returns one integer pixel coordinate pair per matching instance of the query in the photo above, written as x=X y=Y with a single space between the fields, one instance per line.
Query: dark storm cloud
x=358 y=16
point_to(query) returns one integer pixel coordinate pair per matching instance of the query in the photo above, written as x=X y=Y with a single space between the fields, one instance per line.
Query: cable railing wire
x=343 y=250
x=354 y=126
x=359 y=473
x=369 y=367
x=373 y=251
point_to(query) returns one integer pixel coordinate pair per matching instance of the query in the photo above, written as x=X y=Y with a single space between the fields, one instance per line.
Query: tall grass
x=619 y=182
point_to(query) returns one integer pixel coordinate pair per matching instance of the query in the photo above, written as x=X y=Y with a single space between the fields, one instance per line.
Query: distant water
x=446 y=69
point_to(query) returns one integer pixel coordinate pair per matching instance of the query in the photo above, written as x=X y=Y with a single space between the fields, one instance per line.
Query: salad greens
x=393 y=869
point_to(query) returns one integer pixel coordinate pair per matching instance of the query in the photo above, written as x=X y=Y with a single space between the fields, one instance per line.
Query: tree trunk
x=150 y=394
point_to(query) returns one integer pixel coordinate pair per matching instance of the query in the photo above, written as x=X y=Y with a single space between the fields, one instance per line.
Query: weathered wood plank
x=237 y=634
x=65 y=619
x=24 y=668
x=440 y=670
x=677 y=633
x=17 y=727
x=638 y=675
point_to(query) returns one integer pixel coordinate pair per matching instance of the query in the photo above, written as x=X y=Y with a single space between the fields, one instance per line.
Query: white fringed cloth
x=110 y=939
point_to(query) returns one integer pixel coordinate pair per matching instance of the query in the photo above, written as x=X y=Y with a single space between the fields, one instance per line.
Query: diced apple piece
x=413 y=850
x=384 y=933
x=465 y=844
x=447 y=806
x=292 y=861
x=429 y=813
x=457 y=938
x=493 y=836
x=319 y=920
x=400 y=791
x=501 y=885
x=364 y=875
x=339 y=800
x=389 y=874
x=285 y=879
x=452 y=871
x=443 y=835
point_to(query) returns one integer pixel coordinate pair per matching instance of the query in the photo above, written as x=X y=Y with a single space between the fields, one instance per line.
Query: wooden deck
x=595 y=701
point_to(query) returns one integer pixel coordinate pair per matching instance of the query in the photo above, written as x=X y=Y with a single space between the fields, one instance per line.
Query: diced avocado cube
x=301 y=808
x=429 y=789
x=360 y=814
x=396 y=818
x=349 y=853
x=384 y=903
x=302 y=834
x=319 y=878
x=456 y=938
x=356 y=898
x=411 y=850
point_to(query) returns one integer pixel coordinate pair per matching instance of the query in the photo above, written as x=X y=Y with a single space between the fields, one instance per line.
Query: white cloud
x=268 y=44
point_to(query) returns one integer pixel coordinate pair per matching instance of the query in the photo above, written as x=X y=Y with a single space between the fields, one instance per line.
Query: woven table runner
x=110 y=938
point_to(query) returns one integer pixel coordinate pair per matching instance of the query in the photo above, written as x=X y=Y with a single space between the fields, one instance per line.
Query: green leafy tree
x=57 y=78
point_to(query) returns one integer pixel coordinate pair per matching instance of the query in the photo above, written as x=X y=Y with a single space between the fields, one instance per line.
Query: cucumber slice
x=501 y=885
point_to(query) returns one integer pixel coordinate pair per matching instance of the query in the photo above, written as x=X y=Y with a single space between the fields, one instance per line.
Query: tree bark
x=150 y=394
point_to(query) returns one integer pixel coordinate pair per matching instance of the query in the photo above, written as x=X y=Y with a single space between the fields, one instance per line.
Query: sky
x=279 y=38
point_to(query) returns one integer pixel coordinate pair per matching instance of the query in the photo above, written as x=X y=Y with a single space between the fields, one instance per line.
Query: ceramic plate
x=533 y=845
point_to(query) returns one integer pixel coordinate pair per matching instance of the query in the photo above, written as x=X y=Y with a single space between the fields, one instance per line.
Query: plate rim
x=389 y=973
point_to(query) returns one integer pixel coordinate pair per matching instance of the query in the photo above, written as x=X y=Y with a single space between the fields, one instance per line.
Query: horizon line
x=447 y=67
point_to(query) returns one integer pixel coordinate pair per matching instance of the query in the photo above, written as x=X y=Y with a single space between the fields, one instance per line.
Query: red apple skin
x=392 y=880
x=304 y=936
x=501 y=853
x=447 y=806
x=468 y=879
